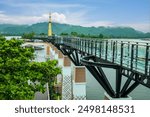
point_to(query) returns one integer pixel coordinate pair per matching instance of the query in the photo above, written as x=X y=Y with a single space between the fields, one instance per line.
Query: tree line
x=75 y=34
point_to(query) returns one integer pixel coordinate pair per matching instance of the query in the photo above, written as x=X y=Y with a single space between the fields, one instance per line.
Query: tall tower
x=50 y=25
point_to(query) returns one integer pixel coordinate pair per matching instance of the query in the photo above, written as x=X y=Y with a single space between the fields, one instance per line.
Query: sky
x=133 y=13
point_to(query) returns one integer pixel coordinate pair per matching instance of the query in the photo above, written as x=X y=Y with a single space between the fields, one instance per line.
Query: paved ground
x=40 y=96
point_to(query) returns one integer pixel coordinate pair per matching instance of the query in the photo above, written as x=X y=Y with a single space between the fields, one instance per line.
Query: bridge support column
x=48 y=50
x=67 y=80
x=79 y=83
x=58 y=85
x=107 y=97
x=52 y=52
x=56 y=53
x=60 y=58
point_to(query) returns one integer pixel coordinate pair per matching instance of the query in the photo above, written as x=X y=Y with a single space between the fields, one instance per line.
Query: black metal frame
x=96 y=70
x=77 y=48
x=70 y=52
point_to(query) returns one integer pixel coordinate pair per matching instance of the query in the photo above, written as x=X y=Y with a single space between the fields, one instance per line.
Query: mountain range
x=38 y=28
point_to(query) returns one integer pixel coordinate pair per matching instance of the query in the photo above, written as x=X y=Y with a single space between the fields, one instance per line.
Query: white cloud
x=61 y=18
x=31 y=19
x=76 y=18
x=145 y=27
x=99 y=23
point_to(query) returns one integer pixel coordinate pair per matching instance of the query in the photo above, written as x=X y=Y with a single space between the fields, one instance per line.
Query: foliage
x=64 y=34
x=20 y=78
x=38 y=28
x=48 y=70
x=42 y=34
x=101 y=36
x=74 y=34
x=1 y=36
x=28 y=35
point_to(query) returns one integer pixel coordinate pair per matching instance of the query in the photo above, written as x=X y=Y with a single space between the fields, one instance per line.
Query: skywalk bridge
x=128 y=58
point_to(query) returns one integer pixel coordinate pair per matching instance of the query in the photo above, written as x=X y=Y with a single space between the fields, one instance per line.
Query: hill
x=38 y=28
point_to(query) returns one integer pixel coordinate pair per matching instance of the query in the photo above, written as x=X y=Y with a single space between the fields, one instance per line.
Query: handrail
x=114 y=51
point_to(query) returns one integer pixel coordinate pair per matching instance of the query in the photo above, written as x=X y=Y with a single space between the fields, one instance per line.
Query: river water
x=95 y=91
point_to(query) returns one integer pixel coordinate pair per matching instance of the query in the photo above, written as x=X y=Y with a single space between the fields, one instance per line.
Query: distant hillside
x=38 y=28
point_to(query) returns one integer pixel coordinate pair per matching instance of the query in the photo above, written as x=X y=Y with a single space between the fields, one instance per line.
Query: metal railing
x=129 y=54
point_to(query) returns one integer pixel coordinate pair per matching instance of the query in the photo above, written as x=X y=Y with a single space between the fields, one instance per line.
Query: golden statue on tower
x=50 y=26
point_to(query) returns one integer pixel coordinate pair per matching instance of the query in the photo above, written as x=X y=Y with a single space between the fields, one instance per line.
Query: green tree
x=49 y=71
x=74 y=34
x=20 y=77
x=43 y=34
x=100 y=36
x=64 y=34
x=82 y=35
x=28 y=35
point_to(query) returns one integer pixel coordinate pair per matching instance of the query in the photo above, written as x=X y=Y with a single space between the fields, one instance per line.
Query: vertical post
x=79 y=83
x=52 y=51
x=146 y=59
x=60 y=58
x=48 y=50
x=75 y=43
x=136 y=55
x=106 y=50
x=110 y=44
x=60 y=55
x=80 y=44
x=128 y=53
x=67 y=80
x=91 y=47
x=113 y=49
x=132 y=56
x=116 y=49
x=85 y=46
x=95 y=48
x=56 y=53
x=121 y=59
x=118 y=82
x=100 y=49
x=88 y=47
